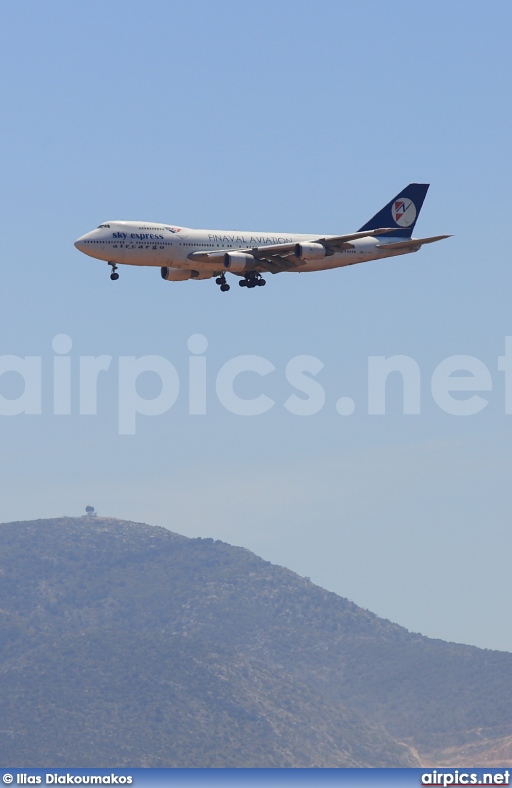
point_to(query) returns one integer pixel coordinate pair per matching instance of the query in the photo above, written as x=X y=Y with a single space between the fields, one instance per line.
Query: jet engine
x=181 y=274
x=310 y=251
x=238 y=262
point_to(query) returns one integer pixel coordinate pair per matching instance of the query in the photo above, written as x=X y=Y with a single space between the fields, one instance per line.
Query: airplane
x=183 y=253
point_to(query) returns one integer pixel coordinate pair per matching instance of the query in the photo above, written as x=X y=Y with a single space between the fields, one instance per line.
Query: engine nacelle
x=181 y=274
x=310 y=251
x=239 y=262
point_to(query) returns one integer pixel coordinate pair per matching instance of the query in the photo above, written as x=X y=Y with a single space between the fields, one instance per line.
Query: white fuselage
x=156 y=244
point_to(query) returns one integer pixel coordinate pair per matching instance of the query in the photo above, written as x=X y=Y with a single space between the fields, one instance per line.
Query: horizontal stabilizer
x=412 y=244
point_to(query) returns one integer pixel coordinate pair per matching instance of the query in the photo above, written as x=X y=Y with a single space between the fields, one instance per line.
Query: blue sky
x=293 y=117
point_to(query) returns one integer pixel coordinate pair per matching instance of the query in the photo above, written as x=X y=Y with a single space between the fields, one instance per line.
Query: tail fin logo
x=404 y=212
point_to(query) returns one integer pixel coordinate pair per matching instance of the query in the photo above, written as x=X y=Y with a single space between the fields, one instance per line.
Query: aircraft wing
x=412 y=244
x=335 y=242
x=281 y=257
x=331 y=243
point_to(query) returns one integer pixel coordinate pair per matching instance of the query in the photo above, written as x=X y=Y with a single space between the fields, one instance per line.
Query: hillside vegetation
x=124 y=644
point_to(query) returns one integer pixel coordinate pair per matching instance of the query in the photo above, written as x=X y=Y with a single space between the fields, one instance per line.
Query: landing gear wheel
x=221 y=280
x=113 y=275
x=252 y=279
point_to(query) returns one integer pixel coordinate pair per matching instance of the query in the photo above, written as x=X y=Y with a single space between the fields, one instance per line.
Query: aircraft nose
x=80 y=243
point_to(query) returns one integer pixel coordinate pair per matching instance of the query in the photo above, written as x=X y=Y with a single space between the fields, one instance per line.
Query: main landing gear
x=252 y=279
x=114 y=275
x=221 y=280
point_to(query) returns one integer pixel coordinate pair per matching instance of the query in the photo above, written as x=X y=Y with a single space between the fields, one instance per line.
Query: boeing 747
x=182 y=253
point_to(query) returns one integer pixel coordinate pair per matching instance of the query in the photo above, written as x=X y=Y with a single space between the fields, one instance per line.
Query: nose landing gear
x=221 y=280
x=114 y=275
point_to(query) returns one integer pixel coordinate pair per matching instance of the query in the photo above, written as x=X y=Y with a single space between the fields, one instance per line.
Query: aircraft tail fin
x=401 y=212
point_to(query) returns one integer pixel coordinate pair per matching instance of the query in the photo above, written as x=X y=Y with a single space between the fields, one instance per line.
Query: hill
x=124 y=644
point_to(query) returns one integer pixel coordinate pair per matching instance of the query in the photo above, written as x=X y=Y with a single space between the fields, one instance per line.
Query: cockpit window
x=103 y=225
